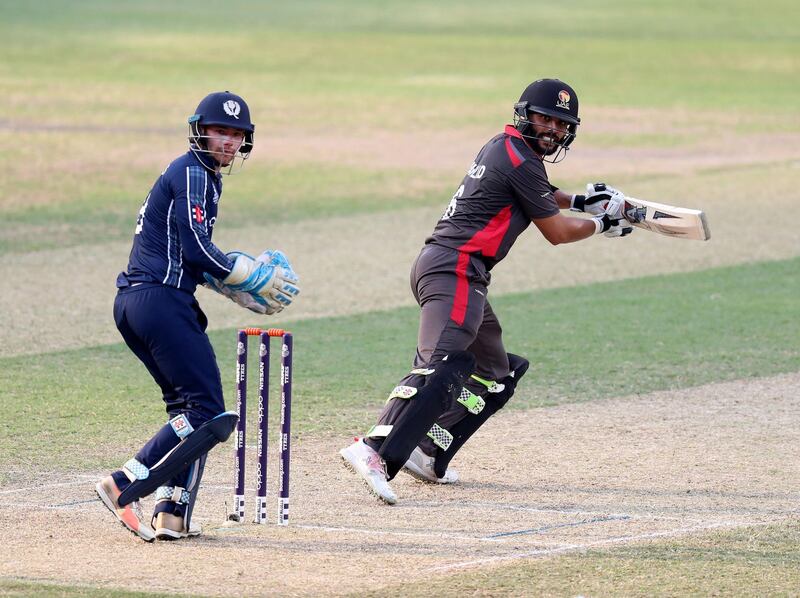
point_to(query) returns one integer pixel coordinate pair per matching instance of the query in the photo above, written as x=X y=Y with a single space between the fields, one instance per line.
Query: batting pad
x=192 y=447
x=441 y=389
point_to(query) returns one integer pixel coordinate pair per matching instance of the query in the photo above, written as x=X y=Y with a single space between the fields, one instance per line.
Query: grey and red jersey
x=503 y=190
x=172 y=243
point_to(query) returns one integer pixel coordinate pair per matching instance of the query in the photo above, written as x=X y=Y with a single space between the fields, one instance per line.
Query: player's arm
x=559 y=228
x=541 y=202
x=564 y=200
x=188 y=188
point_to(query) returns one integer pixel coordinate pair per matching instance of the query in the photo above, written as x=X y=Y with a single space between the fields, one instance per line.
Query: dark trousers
x=452 y=290
x=165 y=329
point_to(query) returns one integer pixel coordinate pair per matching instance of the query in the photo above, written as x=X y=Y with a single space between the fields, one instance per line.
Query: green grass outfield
x=585 y=343
x=92 y=89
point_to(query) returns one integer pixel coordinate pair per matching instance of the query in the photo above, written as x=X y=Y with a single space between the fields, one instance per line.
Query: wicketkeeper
x=158 y=316
x=462 y=373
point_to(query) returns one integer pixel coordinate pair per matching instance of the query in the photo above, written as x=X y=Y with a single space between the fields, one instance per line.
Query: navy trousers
x=165 y=328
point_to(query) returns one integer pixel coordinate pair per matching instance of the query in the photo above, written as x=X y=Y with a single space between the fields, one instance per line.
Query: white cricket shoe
x=367 y=463
x=421 y=466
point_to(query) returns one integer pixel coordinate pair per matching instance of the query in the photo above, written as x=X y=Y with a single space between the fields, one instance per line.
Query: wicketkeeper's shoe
x=170 y=527
x=367 y=463
x=421 y=466
x=130 y=515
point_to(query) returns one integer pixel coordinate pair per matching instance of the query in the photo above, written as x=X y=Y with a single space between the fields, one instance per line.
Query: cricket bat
x=683 y=223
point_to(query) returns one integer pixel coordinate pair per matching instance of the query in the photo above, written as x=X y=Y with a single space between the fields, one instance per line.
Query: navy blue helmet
x=224 y=109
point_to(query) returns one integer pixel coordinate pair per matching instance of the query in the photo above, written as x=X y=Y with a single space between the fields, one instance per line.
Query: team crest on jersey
x=232 y=108
x=563 y=99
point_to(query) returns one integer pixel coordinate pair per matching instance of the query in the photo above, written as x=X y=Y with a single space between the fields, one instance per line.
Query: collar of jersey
x=511 y=131
x=206 y=160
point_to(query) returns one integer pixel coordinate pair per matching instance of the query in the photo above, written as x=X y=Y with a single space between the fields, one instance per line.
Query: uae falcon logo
x=232 y=108
x=563 y=99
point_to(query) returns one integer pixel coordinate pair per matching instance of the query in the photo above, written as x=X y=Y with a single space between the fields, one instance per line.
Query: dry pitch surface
x=602 y=474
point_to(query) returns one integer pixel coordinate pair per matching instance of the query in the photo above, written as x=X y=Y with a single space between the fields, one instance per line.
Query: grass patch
x=649 y=334
x=753 y=561
x=389 y=64
x=281 y=194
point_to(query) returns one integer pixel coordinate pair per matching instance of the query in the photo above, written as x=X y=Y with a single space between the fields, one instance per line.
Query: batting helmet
x=224 y=109
x=551 y=97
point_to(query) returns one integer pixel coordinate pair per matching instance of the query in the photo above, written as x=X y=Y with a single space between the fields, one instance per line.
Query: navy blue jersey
x=504 y=189
x=172 y=243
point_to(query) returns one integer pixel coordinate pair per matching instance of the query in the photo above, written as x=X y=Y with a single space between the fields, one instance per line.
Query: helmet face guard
x=222 y=109
x=553 y=98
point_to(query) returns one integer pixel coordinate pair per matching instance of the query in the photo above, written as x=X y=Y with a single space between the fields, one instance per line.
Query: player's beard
x=548 y=148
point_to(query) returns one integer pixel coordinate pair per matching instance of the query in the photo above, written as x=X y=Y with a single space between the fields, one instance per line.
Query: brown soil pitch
x=534 y=484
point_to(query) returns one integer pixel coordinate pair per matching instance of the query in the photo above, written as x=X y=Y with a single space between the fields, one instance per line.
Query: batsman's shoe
x=130 y=515
x=170 y=527
x=421 y=465
x=367 y=463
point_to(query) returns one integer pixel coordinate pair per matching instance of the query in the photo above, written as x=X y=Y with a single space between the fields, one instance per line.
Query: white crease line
x=577 y=547
x=46 y=486
x=79 y=505
x=375 y=532
x=527 y=509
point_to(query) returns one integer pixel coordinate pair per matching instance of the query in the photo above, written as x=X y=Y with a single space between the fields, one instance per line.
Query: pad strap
x=380 y=431
x=471 y=402
x=174 y=494
x=135 y=470
x=423 y=371
x=491 y=385
x=441 y=437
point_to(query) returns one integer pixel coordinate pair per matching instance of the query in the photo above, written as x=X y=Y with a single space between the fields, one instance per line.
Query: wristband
x=601 y=223
x=577 y=203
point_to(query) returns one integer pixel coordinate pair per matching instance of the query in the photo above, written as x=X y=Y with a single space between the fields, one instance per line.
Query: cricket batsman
x=461 y=373
x=157 y=314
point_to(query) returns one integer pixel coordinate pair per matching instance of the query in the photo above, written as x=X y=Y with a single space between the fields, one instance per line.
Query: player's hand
x=242 y=298
x=286 y=288
x=612 y=222
x=596 y=199
x=268 y=281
